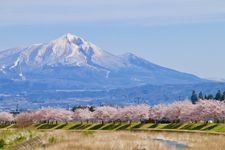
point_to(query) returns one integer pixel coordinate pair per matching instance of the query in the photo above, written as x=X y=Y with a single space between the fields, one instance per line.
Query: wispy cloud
x=145 y=12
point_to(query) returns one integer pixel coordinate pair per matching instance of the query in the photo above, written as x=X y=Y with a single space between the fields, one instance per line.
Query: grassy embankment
x=58 y=136
x=9 y=138
x=211 y=127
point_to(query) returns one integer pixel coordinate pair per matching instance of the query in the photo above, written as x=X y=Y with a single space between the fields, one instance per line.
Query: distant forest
x=220 y=96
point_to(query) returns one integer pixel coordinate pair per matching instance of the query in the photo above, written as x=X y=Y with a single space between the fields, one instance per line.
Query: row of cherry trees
x=184 y=111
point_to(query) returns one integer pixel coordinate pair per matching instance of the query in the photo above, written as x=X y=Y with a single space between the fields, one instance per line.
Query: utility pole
x=17 y=107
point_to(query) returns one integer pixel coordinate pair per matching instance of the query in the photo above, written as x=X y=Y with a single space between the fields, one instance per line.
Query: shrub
x=24 y=120
x=2 y=143
x=52 y=139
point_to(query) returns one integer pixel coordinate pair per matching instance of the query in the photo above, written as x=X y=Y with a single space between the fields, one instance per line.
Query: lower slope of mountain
x=150 y=94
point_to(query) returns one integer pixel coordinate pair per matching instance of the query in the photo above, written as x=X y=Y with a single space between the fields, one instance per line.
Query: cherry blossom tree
x=105 y=114
x=158 y=112
x=206 y=110
x=50 y=115
x=125 y=114
x=182 y=111
x=175 y=111
x=61 y=115
x=83 y=115
x=6 y=117
x=202 y=111
x=187 y=112
x=142 y=112
x=133 y=113
x=24 y=119
x=42 y=115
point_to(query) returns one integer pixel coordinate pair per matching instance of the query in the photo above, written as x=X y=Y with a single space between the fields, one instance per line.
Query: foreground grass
x=10 y=137
x=128 y=140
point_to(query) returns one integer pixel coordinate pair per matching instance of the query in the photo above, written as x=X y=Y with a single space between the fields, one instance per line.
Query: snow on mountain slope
x=73 y=62
x=66 y=50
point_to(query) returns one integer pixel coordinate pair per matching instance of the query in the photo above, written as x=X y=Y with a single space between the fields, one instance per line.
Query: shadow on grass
x=123 y=127
x=187 y=127
x=199 y=127
x=4 y=125
x=210 y=127
x=96 y=127
x=83 y=126
x=47 y=126
x=111 y=126
x=75 y=126
x=138 y=126
x=61 y=126
x=173 y=126
x=154 y=125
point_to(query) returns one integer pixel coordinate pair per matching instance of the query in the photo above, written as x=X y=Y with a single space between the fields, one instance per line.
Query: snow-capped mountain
x=71 y=62
x=66 y=50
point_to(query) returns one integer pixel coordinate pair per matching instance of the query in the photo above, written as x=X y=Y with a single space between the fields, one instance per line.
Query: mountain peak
x=70 y=38
x=68 y=49
x=70 y=34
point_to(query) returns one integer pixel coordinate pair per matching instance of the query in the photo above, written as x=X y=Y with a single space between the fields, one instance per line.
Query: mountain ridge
x=77 y=62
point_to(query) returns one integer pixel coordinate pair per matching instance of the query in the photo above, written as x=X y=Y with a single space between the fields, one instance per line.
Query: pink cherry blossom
x=105 y=114
x=6 y=117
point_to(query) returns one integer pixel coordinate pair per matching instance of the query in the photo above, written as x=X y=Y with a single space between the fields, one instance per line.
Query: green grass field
x=210 y=127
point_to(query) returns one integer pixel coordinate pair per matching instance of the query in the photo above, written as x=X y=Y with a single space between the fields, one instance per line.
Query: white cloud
x=93 y=11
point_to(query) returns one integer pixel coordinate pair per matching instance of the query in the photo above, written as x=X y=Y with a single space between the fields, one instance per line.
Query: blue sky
x=186 y=35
